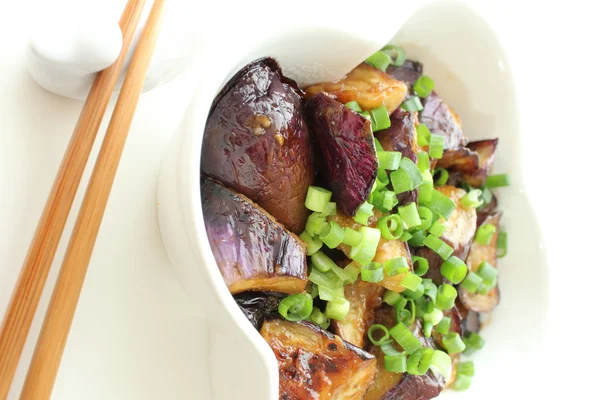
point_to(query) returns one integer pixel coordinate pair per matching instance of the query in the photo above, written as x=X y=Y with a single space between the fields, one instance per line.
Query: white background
x=133 y=333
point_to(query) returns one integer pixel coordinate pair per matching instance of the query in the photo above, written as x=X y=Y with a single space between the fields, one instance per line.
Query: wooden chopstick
x=53 y=337
x=29 y=287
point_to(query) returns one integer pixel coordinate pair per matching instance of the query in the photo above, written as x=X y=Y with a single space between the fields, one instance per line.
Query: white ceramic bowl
x=460 y=51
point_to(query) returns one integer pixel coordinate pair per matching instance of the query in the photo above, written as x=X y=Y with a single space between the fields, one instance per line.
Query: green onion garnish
x=488 y=273
x=332 y=235
x=423 y=135
x=426 y=216
x=396 y=266
x=365 y=251
x=330 y=209
x=363 y=213
x=444 y=326
x=352 y=270
x=471 y=282
x=420 y=361
x=441 y=204
x=337 y=308
x=389 y=201
x=485 y=233
x=351 y=237
x=466 y=368
x=439 y=246
x=372 y=272
x=453 y=343
x=474 y=342
x=425 y=191
x=379 y=60
x=434 y=317
x=423 y=86
x=406 y=236
x=412 y=105
x=367 y=115
x=446 y=296
x=312 y=244
x=442 y=176
x=389 y=160
x=317 y=198
x=436 y=145
x=397 y=364
x=322 y=262
x=412 y=171
x=423 y=161
x=417 y=238
x=415 y=294
x=410 y=215
x=354 y=106
x=385 y=335
x=420 y=265
x=430 y=290
x=397 y=54
x=315 y=224
x=454 y=269
x=319 y=318
x=325 y=279
x=404 y=337
x=461 y=383
x=437 y=229
x=471 y=199
x=390 y=226
x=442 y=363
x=410 y=281
x=296 y=307
x=500 y=180
x=380 y=118
x=390 y=297
x=502 y=244
x=378 y=146
x=389 y=349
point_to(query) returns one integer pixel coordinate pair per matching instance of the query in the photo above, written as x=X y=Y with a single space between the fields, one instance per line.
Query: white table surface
x=133 y=336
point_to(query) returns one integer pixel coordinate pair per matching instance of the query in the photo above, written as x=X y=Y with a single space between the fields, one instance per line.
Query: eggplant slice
x=408 y=72
x=256 y=306
x=367 y=85
x=257 y=143
x=252 y=250
x=474 y=162
x=441 y=119
x=483 y=303
x=316 y=364
x=401 y=135
x=364 y=298
x=347 y=148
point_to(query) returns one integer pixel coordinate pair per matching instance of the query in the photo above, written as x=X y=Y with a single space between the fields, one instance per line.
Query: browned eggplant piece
x=252 y=250
x=256 y=305
x=386 y=249
x=482 y=303
x=316 y=364
x=347 y=148
x=408 y=72
x=441 y=119
x=256 y=142
x=487 y=210
x=462 y=160
x=474 y=161
x=471 y=320
x=394 y=386
x=367 y=85
x=401 y=135
x=459 y=233
x=364 y=298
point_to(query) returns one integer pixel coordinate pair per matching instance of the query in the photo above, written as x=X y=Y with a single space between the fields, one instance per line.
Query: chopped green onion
x=423 y=161
x=427 y=329
x=396 y=266
x=319 y=318
x=416 y=293
x=474 y=342
x=330 y=209
x=471 y=199
x=466 y=368
x=397 y=364
x=296 y=307
x=354 y=106
x=385 y=335
x=426 y=216
x=437 y=229
x=372 y=272
x=389 y=201
x=442 y=363
x=487 y=196
x=397 y=54
x=500 y=180
x=389 y=160
x=378 y=146
x=436 y=145
x=382 y=179
x=322 y=262
x=317 y=198
x=363 y=213
x=352 y=270
x=444 y=326
x=417 y=238
x=379 y=60
x=390 y=226
x=324 y=279
x=425 y=192
x=410 y=215
x=413 y=104
x=454 y=269
x=388 y=348
x=412 y=171
x=332 y=235
x=420 y=265
x=337 y=308
x=329 y=294
x=410 y=281
x=401 y=181
x=420 y=361
x=405 y=338
x=423 y=86
x=442 y=176
x=502 y=244
x=461 y=383
x=315 y=224
x=445 y=297
x=423 y=135
x=453 y=343
x=351 y=237
x=441 y=204
x=366 y=115
x=406 y=236
x=434 y=316
x=365 y=251
x=391 y=297
x=312 y=244
x=471 y=282
x=430 y=290
x=488 y=273
x=485 y=233
x=405 y=316
x=439 y=246
x=380 y=118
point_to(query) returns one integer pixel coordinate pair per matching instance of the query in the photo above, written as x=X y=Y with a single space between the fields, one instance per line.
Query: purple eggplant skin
x=442 y=120
x=401 y=135
x=257 y=143
x=408 y=72
x=347 y=149
x=252 y=251
x=257 y=306
x=472 y=162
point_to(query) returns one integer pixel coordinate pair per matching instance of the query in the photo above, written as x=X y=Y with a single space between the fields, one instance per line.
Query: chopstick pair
x=59 y=315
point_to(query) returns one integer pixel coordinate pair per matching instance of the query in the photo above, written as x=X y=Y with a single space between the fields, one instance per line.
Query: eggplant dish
x=354 y=223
